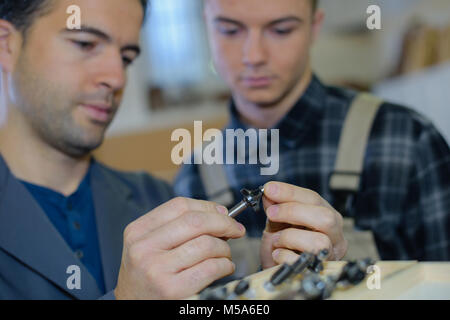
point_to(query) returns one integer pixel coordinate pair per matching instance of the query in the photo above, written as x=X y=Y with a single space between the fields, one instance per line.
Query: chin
x=81 y=144
x=264 y=97
x=81 y=150
x=263 y=101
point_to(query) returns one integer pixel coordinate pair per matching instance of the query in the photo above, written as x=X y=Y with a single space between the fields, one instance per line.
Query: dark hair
x=315 y=4
x=22 y=13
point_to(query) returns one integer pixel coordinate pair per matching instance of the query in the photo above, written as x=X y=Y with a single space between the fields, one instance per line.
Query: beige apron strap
x=345 y=179
x=353 y=142
x=216 y=184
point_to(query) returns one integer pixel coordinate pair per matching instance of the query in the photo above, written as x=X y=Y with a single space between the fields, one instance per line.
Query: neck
x=267 y=116
x=32 y=160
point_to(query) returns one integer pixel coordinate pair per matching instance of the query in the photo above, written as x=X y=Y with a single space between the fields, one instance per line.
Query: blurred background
x=174 y=82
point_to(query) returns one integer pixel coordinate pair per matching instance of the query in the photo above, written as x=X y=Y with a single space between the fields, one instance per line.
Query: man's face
x=261 y=48
x=67 y=84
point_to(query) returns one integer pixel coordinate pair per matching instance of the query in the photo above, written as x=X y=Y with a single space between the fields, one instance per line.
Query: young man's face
x=68 y=84
x=261 y=48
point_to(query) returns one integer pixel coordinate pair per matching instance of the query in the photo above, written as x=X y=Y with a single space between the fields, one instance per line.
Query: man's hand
x=299 y=220
x=176 y=250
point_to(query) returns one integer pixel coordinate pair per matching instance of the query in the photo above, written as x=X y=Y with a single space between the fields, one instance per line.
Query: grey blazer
x=34 y=258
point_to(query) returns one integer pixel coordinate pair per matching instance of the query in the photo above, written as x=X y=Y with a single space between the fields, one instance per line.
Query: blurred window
x=177 y=43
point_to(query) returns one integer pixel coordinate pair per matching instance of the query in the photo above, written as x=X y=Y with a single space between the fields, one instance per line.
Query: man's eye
x=127 y=61
x=84 y=45
x=282 y=31
x=229 y=31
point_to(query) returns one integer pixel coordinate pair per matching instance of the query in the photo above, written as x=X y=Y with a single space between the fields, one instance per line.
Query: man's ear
x=318 y=19
x=10 y=44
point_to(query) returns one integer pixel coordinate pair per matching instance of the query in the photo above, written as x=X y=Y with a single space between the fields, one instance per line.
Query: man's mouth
x=98 y=112
x=257 y=82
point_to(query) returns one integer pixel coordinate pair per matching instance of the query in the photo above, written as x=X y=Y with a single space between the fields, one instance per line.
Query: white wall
x=346 y=49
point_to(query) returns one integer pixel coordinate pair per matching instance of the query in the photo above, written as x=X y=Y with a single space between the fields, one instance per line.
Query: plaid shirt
x=404 y=196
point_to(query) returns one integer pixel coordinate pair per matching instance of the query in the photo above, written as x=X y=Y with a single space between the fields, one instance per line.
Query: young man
x=262 y=50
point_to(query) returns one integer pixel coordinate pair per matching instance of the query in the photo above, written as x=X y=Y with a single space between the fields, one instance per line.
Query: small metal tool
x=303 y=262
x=354 y=271
x=241 y=287
x=217 y=293
x=281 y=275
x=313 y=287
x=317 y=265
x=251 y=199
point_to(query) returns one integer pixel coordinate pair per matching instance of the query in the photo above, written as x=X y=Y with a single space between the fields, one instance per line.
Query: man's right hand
x=176 y=250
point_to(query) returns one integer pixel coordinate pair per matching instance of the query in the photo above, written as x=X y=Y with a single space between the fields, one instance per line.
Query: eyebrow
x=228 y=20
x=277 y=21
x=286 y=19
x=103 y=35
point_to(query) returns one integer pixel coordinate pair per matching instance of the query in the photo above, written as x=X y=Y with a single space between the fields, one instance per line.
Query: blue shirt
x=74 y=218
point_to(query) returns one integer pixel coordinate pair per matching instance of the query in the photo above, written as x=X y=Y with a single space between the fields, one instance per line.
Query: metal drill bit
x=251 y=199
x=281 y=275
x=303 y=262
x=317 y=264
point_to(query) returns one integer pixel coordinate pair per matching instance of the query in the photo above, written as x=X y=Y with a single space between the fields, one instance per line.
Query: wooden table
x=405 y=280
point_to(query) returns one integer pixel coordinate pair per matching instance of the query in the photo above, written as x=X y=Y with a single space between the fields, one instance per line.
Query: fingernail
x=275 y=254
x=271 y=189
x=276 y=237
x=241 y=226
x=272 y=211
x=222 y=209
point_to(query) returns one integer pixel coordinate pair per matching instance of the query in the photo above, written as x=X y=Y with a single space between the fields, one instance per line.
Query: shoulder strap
x=345 y=179
x=216 y=184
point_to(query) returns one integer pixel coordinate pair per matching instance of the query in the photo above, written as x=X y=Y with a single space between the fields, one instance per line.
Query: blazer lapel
x=114 y=210
x=27 y=234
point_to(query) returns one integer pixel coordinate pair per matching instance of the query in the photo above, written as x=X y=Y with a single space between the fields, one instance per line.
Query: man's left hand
x=299 y=220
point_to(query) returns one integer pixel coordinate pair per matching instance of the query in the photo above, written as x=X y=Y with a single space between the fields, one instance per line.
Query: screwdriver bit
x=251 y=199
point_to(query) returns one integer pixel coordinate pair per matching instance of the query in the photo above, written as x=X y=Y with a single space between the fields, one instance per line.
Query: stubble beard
x=47 y=108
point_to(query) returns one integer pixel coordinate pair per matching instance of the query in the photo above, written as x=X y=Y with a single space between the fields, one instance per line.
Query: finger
x=303 y=241
x=267 y=202
x=281 y=256
x=271 y=226
x=316 y=218
x=280 y=192
x=192 y=225
x=170 y=211
x=196 y=251
x=266 y=249
x=203 y=274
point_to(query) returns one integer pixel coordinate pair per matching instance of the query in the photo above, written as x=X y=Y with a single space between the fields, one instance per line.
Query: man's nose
x=254 y=52
x=111 y=72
